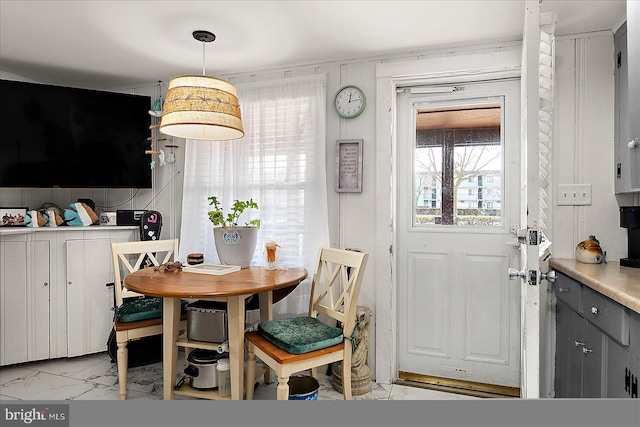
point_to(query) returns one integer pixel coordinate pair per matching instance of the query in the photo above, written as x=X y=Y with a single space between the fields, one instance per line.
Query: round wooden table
x=234 y=288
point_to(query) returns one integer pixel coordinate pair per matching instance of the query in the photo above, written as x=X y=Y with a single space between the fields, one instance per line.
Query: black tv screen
x=54 y=136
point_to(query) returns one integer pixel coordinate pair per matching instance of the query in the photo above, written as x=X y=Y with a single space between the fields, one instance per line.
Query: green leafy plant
x=218 y=218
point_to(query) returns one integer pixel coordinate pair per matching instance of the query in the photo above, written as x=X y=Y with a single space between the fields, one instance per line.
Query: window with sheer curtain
x=280 y=164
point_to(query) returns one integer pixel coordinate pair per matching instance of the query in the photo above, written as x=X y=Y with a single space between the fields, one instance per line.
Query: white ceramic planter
x=235 y=246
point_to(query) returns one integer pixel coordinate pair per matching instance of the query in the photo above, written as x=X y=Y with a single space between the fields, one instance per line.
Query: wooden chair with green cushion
x=137 y=316
x=301 y=343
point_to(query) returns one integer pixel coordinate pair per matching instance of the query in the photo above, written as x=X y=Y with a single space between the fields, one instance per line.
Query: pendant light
x=201 y=107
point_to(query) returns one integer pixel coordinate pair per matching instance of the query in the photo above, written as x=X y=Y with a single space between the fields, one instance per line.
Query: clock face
x=350 y=102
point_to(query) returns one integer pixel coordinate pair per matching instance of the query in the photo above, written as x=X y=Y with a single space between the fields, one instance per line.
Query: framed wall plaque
x=349 y=165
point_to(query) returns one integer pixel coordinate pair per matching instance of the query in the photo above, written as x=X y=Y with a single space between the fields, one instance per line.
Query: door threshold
x=448 y=385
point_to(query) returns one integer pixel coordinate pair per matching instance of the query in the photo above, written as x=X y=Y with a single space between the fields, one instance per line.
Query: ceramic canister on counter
x=589 y=251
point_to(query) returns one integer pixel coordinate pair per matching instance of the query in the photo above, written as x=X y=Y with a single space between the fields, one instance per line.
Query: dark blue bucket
x=303 y=387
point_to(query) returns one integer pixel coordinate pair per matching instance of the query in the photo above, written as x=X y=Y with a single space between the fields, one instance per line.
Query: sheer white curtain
x=280 y=164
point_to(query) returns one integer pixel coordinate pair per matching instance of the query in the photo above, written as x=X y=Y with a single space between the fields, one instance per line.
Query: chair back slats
x=336 y=285
x=129 y=257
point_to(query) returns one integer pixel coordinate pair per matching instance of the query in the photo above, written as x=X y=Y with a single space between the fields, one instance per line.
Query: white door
x=457 y=201
x=537 y=95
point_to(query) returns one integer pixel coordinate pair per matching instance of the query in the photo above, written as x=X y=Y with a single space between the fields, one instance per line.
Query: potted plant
x=235 y=244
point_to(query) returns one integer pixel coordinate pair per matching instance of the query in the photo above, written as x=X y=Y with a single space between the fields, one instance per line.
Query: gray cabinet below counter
x=597 y=344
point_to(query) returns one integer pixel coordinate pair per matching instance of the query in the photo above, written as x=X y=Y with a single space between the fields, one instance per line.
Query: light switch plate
x=574 y=194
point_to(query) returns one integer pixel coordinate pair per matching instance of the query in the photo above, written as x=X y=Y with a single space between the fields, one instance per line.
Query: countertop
x=621 y=284
x=28 y=230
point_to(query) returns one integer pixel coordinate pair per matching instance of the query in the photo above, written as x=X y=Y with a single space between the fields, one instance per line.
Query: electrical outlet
x=574 y=194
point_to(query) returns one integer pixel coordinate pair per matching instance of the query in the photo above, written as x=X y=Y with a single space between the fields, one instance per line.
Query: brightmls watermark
x=35 y=415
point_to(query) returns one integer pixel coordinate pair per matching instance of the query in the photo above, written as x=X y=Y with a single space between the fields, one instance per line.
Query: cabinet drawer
x=606 y=314
x=634 y=334
x=569 y=291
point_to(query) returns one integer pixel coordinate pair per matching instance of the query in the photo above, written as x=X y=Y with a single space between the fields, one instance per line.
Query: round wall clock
x=350 y=102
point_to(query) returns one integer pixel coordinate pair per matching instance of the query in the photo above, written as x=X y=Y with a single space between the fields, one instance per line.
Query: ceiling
x=109 y=44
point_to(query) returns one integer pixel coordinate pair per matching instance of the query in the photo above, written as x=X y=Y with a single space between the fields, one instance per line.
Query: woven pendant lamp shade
x=201 y=107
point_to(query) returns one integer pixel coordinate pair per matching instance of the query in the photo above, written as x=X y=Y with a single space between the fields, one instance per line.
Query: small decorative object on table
x=169 y=266
x=215 y=269
x=272 y=255
x=195 y=259
x=235 y=244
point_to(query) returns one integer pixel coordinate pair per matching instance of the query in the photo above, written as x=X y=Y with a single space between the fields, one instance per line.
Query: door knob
x=515 y=274
x=549 y=277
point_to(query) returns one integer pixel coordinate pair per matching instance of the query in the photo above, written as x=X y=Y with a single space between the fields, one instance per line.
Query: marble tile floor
x=95 y=377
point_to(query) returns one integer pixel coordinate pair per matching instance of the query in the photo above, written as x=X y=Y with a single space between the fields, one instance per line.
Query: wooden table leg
x=266 y=313
x=170 y=330
x=235 y=312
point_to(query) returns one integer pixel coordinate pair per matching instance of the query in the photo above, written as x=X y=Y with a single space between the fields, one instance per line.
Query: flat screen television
x=54 y=136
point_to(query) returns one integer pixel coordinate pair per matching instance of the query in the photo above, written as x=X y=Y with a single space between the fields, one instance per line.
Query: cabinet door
x=24 y=292
x=634 y=379
x=633 y=58
x=627 y=103
x=569 y=341
x=618 y=370
x=621 y=113
x=13 y=294
x=592 y=369
x=39 y=299
x=89 y=300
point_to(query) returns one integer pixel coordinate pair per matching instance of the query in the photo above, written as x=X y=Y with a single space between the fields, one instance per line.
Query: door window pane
x=458 y=165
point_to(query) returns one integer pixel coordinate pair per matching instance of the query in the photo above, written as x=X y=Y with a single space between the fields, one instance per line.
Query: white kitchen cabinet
x=89 y=300
x=53 y=293
x=24 y=292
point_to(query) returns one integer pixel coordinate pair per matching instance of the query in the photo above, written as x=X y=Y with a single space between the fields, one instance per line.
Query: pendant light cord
x=203 y=45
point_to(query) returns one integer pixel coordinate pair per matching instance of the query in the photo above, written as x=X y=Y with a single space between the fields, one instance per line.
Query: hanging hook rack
x=156 y=112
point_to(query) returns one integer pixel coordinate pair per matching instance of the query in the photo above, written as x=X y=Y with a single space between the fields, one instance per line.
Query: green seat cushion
x=134 y=309
x=299 y=335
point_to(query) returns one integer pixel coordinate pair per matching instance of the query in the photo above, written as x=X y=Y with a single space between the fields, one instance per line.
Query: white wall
x=583 y=153
x=583 y=150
